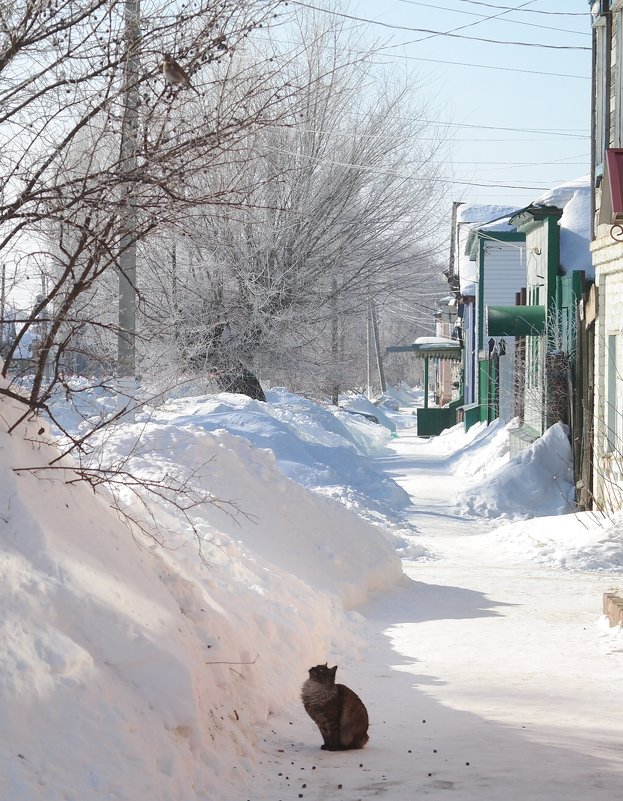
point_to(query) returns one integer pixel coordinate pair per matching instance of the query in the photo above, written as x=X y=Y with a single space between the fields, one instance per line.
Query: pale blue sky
x=512 y=94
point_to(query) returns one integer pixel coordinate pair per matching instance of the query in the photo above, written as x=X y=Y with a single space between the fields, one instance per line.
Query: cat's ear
x=333 y=670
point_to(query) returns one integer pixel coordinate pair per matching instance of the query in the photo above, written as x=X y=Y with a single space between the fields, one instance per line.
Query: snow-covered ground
x=445 y=580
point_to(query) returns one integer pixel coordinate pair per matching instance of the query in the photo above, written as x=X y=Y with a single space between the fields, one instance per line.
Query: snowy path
x=486 y=680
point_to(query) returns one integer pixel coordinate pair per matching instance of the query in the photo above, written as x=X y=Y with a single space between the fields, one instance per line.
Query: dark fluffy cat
x=338 y=712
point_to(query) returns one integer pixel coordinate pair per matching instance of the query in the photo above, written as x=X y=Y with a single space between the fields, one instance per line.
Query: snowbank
x=582 y=541
x=130 y=669
x=538 y=481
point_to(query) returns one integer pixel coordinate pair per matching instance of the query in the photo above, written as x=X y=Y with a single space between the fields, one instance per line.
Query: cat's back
x=354 y=719
x=351 y=702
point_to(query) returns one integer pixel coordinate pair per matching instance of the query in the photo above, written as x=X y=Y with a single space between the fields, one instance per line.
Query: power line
x=481 y=66
x=562 y=162
x=472 y=24
x=565 y=161
x=525 y=11
x=461 y=141
x=467 y=170
x=549 y=132
x=499 y=18
x=435 y=33
x=378 y=171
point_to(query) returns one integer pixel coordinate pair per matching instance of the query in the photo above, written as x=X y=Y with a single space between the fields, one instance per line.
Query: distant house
x=607 y=251
x=22 y=357
x=448 y=374
x=490 y=265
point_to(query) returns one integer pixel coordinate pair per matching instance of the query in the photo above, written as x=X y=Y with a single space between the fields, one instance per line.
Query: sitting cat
x=338 y=712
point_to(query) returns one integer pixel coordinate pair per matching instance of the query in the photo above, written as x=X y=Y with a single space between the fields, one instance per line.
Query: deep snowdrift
x=131 y=669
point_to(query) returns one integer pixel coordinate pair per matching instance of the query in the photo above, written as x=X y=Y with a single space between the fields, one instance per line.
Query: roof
x=572 y=203
x=432 y=348
x=471 y=218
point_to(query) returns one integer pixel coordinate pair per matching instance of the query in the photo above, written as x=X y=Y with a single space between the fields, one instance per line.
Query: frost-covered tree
x=342 y=205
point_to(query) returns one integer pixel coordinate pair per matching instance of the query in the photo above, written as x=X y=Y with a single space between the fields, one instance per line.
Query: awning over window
x=611 y=209
x=432 y=347
x=515 y=321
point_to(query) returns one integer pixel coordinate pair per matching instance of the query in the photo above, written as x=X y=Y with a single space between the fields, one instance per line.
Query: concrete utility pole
x=335 y=343
x=126 y=342
x=377 y=346
x=2 y=302
x=369 y=392
x=453 y=236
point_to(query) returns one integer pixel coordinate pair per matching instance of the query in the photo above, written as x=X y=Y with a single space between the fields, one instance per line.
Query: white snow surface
x=169 y=668
x=575 y=199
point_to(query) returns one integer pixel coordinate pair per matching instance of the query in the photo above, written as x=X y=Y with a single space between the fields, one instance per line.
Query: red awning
x=611 y=210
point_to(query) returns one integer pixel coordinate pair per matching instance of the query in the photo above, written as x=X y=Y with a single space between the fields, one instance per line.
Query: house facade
x=490 y=266
x=524 y=289
x=554 y=346
x=607 y=251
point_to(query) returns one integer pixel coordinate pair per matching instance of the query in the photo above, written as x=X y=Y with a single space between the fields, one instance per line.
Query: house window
x=613 y=389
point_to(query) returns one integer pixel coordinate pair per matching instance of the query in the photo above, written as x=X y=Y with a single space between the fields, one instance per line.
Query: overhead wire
x=479 y=66
x=565 y=134
x=436 y=33
x=549 y=132
x=528 y=10
x=471 y=24
x=526 y=186
x=499 y=18
x=378 y=171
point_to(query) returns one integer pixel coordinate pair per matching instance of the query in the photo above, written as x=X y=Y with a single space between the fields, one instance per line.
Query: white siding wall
x=507 y=381
x=533 y=386
x=537 y=255
x=505 y=272
x=537 y=244
x=504 y=276
x=469 y=342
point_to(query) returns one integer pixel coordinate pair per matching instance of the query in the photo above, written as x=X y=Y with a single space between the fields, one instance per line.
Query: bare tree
x=64 y=84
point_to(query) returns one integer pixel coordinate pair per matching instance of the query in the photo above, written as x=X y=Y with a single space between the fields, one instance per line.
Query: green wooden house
x=553 y=356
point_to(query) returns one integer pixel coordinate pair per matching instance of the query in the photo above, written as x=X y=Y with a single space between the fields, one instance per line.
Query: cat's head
x=323 y=674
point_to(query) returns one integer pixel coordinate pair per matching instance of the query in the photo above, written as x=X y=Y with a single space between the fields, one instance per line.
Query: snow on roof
x=436 y=341
x=574 y=198
x=437 y=347
x=479 y=214
x=476 y=217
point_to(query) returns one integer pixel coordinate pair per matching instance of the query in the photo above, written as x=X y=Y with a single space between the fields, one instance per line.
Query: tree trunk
x=241 y=381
